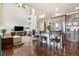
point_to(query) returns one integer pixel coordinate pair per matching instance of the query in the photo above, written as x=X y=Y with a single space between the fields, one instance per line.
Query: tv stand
x=20 y=33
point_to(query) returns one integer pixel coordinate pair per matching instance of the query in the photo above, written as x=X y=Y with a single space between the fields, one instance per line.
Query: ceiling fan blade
x=23 y=6
x=17 y=5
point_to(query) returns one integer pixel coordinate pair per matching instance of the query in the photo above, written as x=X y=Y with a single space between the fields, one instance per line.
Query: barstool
x=52 y=40
x=57 y=40
x=43 y=41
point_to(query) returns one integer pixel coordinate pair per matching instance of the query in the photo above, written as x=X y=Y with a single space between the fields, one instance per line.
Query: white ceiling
x=50 y=8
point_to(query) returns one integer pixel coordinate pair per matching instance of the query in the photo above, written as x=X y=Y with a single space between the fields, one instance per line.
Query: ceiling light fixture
x=56 y=9
x=20 y=5
x=77 y=8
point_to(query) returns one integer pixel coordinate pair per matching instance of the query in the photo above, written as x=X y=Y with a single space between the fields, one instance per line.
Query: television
x=18 y=28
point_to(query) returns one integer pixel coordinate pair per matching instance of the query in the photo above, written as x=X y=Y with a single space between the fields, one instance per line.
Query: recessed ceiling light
x=56 y=9
x=77 y=8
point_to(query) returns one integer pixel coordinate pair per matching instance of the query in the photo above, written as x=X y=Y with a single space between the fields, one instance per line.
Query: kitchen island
x=56 y=35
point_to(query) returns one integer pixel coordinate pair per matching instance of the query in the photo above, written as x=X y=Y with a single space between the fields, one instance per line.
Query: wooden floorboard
x=33 y=49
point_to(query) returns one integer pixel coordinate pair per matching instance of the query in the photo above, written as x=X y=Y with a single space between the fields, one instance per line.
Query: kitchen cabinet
x=72 y=27
x=7 y=42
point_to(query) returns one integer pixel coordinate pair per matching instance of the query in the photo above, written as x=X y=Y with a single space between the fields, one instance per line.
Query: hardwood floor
x=33 y=49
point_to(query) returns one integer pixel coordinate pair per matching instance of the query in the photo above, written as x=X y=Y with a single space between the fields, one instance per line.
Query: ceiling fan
x=21 y=5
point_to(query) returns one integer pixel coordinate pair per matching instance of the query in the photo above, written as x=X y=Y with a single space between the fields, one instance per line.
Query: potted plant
x=49 y=28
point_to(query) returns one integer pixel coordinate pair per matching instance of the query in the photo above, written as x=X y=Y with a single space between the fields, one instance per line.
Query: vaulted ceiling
x=55 y=8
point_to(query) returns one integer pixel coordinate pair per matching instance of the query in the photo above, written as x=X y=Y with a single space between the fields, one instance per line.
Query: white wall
x=15 y=16
x=0 y=15
x=33 y=22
